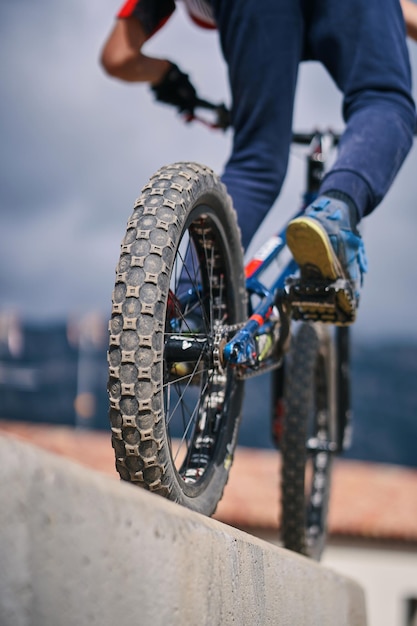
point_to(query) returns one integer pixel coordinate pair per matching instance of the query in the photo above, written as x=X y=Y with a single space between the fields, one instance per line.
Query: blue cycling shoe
x=324 y=245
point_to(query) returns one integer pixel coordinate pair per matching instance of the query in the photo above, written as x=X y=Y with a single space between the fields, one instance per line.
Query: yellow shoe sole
x=310 y=246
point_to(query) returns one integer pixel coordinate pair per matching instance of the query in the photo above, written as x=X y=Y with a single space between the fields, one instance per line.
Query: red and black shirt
x=154 y=13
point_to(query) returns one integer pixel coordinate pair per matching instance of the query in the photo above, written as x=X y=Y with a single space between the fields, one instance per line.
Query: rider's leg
x=262 y=45
x=371 y=67
x=372 y=70
x=122 y=56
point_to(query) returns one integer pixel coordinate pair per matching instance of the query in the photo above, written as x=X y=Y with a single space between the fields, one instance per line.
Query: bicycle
x=190 y=323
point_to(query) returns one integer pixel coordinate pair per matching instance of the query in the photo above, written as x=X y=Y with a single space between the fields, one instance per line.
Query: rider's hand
x=175 y=88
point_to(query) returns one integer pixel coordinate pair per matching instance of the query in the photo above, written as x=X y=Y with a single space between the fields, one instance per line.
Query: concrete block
x=78 y=548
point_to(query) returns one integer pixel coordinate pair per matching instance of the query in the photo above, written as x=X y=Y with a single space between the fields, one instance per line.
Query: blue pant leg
x=363 y=46
x=262 y=45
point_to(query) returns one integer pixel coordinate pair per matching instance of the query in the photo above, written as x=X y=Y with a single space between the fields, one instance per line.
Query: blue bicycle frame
x=241 y=349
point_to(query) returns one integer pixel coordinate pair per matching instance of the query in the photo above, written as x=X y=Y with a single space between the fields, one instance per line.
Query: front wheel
x=175 y=407
x=308 y=439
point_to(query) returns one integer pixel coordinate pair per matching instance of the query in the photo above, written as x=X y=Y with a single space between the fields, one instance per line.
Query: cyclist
x=362 y=45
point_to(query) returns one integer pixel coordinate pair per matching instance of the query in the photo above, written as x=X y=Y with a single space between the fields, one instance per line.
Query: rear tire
x=308 y=439
x=175 y=409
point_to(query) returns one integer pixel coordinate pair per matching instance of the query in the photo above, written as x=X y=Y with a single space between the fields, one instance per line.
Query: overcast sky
x=77 y=146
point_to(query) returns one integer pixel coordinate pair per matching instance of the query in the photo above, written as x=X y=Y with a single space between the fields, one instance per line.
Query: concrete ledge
x=78 y=548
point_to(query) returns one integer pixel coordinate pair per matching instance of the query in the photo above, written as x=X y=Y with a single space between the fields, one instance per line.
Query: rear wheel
x=175 y=408
x=308 y=439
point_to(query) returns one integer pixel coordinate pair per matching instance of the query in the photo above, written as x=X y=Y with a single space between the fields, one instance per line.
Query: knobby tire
x=174 y=406
x=308 y=439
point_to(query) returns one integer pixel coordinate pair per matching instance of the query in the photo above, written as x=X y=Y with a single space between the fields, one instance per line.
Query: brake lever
x=221 y=113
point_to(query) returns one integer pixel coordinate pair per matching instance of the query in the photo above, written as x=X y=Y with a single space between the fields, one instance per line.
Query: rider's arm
x=122 y=55
x=410 y=17
x=122 y=58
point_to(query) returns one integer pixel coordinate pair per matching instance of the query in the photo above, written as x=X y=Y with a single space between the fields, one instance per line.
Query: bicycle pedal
x=318 y=300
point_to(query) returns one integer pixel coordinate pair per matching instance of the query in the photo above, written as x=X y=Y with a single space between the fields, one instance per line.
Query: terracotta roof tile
x=368 y=500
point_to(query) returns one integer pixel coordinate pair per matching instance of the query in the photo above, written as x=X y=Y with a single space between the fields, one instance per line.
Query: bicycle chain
x=220 y=334
x=265 y=369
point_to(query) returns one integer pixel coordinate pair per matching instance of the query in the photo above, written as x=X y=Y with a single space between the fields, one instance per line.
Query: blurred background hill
x=57 y=373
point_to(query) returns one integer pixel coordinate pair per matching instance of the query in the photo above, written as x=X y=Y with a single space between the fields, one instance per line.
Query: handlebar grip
x=305 y=139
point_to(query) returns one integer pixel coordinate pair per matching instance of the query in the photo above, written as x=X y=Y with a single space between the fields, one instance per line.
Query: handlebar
x=221 y=114
x=305 y=139
x=222 y=120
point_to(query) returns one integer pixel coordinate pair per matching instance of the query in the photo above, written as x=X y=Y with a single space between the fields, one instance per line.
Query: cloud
x=77 y=147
